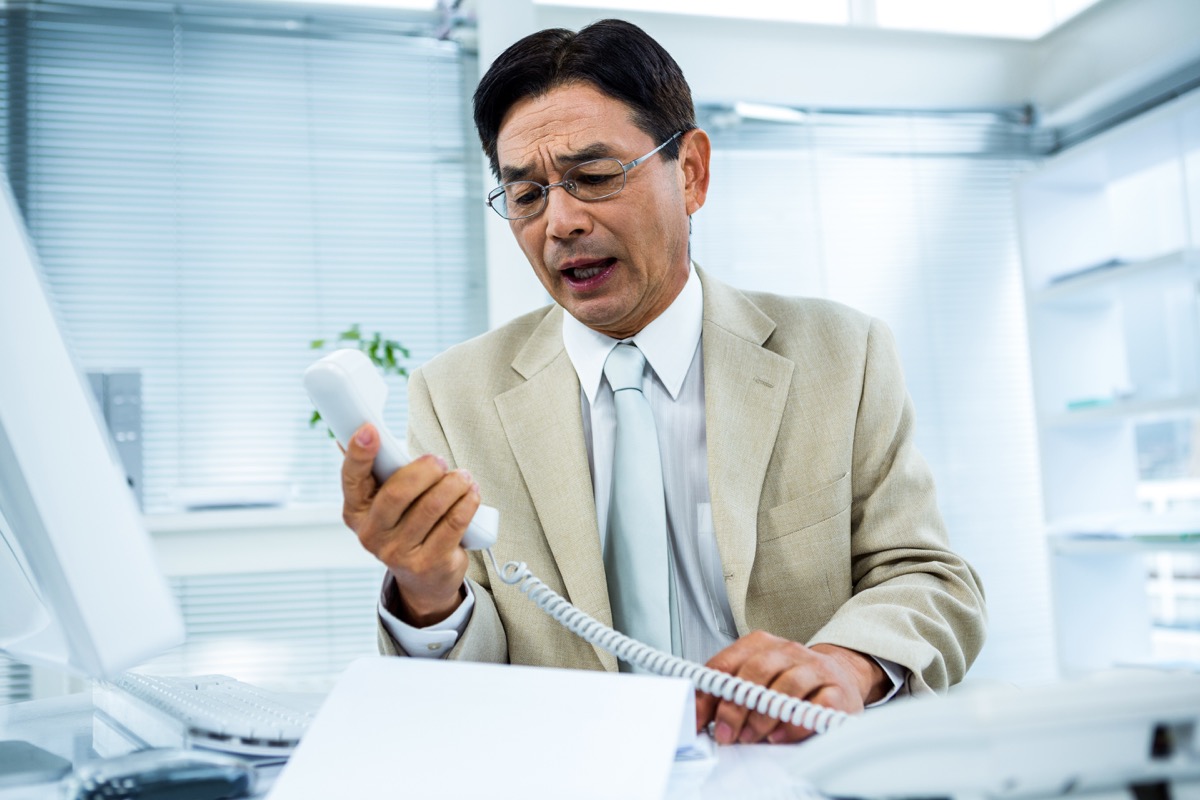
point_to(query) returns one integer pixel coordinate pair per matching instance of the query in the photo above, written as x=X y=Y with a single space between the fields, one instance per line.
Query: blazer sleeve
x=914 y=601
x=484 y=638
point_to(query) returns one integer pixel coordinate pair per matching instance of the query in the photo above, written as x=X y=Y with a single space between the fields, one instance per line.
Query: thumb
x=358 y=484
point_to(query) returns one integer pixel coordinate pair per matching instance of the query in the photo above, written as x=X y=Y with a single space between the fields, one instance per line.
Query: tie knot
x=623 y=368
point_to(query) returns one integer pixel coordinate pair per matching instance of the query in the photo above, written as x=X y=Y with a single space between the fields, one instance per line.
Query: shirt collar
x=668 y=342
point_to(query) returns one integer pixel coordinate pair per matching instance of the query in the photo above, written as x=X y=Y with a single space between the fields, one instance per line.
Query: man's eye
x=595 y=179
x=525 y=196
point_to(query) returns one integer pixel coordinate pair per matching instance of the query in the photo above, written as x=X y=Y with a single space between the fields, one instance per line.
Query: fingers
x=413 y=523
x=423 y=550
x=728 y=660
x=408 y=507
x=421 y=508
x=777 y=671
x=706 y=708
x=783 y=666
x=829 y=696
x=358 y=484
x=732 y=660
x=777 y=664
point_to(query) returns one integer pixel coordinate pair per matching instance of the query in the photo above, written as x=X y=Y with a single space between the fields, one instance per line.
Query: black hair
x=617 y=57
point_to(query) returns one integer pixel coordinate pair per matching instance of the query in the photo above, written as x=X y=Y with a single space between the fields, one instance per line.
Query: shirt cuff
x=434 y=641
x=897 y=674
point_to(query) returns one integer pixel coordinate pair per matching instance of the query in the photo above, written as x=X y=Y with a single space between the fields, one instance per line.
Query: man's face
x=613 y=264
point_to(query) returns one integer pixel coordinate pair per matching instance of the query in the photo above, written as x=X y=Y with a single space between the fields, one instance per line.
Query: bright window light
x=408 y=5
x=1065 y=9
x=1020 y=19
x=1023 y=19
x=828 y=12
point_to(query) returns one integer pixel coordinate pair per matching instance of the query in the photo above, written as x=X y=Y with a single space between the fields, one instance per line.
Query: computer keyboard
x=211 y=711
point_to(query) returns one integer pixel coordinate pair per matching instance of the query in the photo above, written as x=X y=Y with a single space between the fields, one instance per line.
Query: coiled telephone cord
x=776 y=705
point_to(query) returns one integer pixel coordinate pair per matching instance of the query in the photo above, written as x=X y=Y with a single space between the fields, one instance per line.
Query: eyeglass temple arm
x=637 y=161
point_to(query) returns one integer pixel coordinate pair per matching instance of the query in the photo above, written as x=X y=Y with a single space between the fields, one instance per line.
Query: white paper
x=420 y=728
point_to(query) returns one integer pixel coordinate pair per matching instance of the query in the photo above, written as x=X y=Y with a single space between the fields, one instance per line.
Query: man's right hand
x=413 y=523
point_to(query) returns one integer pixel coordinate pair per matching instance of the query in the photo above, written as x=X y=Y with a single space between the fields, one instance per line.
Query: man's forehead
x=578 y=103
x=522 y=164
x=567 y=124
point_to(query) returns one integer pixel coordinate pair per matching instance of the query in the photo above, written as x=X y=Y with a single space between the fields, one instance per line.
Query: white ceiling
x=1013 y=19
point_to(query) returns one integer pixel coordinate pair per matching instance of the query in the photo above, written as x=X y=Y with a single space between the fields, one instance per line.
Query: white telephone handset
x=348 y=391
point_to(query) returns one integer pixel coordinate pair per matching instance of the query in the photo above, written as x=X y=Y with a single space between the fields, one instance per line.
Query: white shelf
x=1122 y=410
x=237 y=519
x=265 y=539
x=1121 y=341
x=1083 y=544
x=1085 y=282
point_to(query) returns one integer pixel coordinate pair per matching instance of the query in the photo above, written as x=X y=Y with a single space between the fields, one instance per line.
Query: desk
x=66 y=726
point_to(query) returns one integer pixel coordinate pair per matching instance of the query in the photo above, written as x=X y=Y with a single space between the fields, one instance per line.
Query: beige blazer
x=823 y=510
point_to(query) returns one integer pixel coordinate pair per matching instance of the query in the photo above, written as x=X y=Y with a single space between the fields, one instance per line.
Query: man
x=805 y=549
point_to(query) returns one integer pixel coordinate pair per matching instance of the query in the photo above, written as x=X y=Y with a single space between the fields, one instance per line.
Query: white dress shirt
x=673 y=383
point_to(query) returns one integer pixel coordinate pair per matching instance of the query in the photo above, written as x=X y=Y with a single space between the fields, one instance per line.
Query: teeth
x=583 y=273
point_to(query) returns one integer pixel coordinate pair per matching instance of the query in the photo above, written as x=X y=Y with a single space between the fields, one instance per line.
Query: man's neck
x=668 y=341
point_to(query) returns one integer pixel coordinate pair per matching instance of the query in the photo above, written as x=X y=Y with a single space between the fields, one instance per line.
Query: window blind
x=16 y=682
x=911 y=219
x=212 y=186
x=289 y=631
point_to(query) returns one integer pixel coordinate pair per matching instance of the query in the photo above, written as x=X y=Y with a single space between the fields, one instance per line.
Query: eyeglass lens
x=591 y=180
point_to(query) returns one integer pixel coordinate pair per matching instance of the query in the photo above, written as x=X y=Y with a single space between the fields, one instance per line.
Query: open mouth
x=588 y=274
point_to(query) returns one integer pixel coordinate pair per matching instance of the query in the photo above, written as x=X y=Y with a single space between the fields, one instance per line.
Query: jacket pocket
x=803 y=512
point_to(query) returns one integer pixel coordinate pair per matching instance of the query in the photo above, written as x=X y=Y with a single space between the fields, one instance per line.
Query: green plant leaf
x=383 y=353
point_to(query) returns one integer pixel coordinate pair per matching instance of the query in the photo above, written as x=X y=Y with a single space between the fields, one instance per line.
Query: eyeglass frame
x=563 y=184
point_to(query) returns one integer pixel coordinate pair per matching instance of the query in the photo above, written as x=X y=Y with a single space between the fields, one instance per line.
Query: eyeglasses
x=589 y=181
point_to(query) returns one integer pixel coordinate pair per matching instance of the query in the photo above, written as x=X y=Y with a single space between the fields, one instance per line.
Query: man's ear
x=694 y=152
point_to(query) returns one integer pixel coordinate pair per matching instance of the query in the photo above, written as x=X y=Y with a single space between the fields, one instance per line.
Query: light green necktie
x=635 y=550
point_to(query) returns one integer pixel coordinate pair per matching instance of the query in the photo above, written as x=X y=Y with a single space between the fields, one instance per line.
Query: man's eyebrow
x=589 y=153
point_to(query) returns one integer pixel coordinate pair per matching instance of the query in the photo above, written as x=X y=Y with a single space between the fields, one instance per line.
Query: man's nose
x=566 y=215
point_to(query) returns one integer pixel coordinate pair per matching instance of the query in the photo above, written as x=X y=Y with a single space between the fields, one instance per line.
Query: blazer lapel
x=745 y=390
x=543 y=421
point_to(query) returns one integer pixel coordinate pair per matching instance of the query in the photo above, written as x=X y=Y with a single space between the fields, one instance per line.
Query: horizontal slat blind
x=290 y=631
x=210 y=192
x=914 y=223
x=16 y=682
x=6 y=54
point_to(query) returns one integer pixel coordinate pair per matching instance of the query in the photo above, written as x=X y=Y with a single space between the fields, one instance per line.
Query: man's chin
x=606 y=321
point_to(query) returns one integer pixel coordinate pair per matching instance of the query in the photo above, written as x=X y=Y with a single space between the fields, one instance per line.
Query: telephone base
x=1094 y=737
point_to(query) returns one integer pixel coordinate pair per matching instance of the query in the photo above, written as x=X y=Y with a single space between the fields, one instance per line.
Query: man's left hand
x=824 y=674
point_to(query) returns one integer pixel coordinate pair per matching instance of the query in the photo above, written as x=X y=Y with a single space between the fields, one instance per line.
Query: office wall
x=786 y=63
x=1109 y=51
x=512 y=287
x=821 y=65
